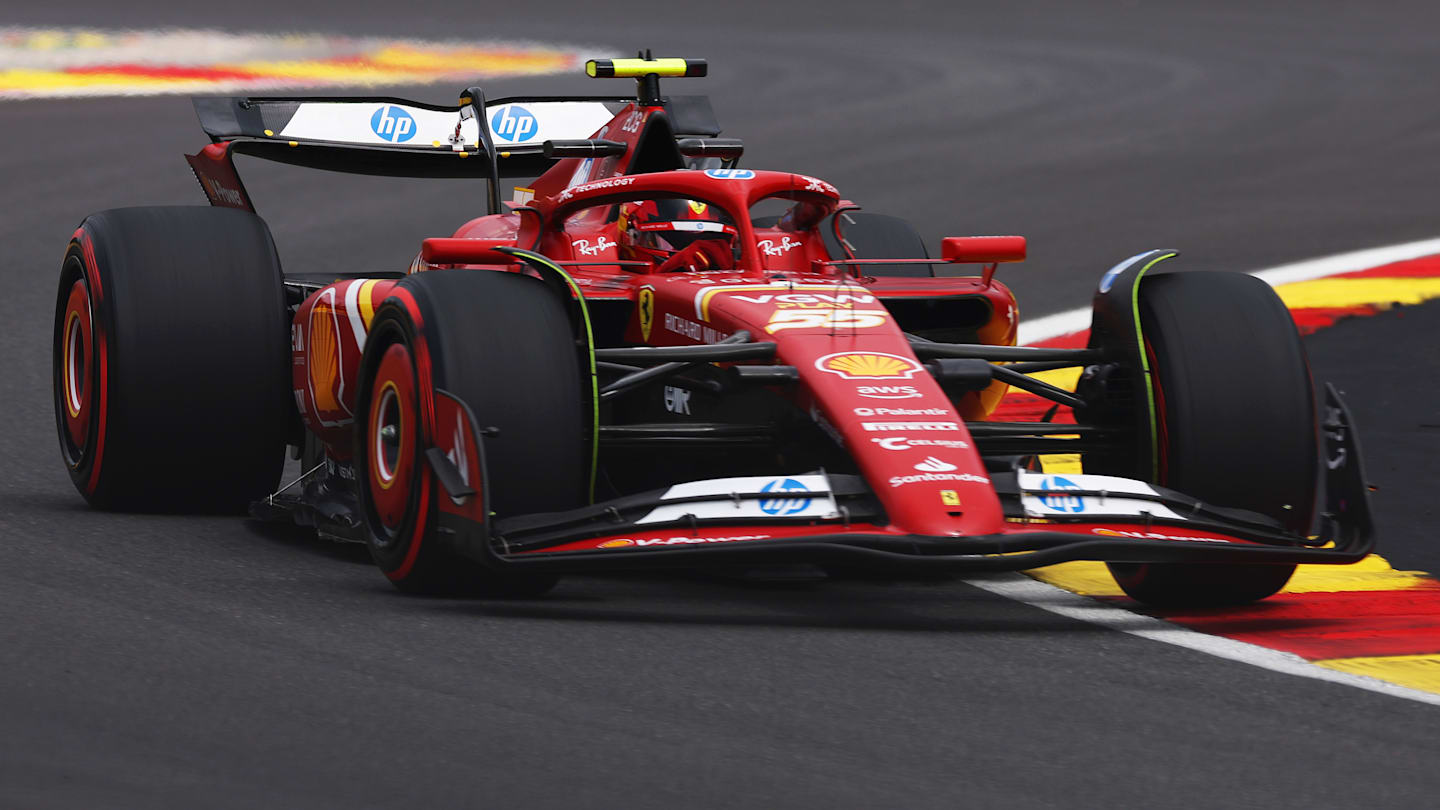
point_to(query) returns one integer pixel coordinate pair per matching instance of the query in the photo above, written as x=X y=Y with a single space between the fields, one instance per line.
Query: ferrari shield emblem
x=646 y=308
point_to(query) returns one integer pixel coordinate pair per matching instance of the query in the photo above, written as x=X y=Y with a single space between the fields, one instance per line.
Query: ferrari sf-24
x=652 y=358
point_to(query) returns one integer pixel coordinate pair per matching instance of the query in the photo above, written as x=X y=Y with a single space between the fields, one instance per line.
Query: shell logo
x=327 y=379
x=868 y=366
x=621 y=543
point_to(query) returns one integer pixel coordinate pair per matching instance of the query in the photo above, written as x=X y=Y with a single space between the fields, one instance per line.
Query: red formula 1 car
x=657 y=359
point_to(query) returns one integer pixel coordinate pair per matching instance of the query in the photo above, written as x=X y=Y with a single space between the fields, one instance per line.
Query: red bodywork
x=860 y=381
x=859 y=376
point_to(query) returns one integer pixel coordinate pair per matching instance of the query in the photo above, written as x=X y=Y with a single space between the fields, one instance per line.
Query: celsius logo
x=393 y=124
x=790 y=503
x=513 y=123
x=730 y=174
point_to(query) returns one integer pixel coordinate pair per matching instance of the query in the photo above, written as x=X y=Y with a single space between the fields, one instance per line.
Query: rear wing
x=401 y=138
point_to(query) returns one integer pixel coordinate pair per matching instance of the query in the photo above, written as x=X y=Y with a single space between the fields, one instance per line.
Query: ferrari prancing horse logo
x=646 y=308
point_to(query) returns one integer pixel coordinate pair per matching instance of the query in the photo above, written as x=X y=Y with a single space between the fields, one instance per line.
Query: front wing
x=823 y=519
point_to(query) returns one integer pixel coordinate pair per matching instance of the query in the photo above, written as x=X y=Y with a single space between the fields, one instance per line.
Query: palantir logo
x=513 y=123
x=393 y=124
x=790 y=504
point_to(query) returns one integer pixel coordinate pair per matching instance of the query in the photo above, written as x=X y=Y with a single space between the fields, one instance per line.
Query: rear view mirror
x=982 y=249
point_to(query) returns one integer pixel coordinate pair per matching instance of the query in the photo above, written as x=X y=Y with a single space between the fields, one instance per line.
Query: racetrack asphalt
x=160 y=661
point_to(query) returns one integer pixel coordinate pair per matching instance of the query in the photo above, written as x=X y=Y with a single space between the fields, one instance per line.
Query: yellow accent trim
x=1354 y=292
x=294 y=143
x=1061 y=377
x=635 y=68
x=269 y=132
x=1415 y=671
x=367 y=307
x=1061 y=463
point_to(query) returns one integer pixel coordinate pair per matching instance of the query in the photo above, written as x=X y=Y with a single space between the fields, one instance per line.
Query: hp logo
x=1062 y=503
x=730 y=174
x=513 y=123
x=393 y=124
x=790 y=503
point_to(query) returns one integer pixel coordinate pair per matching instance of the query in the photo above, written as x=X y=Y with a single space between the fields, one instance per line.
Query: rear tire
x=1235 y=424
x=171 y=360
x=503 y=343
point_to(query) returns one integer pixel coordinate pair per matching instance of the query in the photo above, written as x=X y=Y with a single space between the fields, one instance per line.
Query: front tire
x=1235 y=424
x=503 y=344
x=171 y=360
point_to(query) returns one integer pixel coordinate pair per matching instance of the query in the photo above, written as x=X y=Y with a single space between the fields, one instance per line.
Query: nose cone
x=871 y=394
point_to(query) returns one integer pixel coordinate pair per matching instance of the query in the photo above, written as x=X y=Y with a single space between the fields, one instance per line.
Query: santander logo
x=932 y=464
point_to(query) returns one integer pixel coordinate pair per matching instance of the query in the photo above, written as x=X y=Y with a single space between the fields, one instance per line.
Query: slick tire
x=171 y=360
x=503 y=343
x=1236 y=424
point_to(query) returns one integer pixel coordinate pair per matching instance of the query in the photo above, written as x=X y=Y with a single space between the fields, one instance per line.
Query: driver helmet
x=655 y=230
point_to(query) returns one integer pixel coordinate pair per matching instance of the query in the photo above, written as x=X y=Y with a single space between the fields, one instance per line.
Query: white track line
x=1065 y=603
x=1058 y=600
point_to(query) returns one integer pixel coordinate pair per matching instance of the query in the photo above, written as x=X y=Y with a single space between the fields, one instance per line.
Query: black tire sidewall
x=1235 y=424
x=503 y=344
x=1234 y=394
x=191 y=305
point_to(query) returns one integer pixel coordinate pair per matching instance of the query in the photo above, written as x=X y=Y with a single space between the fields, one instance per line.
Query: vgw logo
x=790 y=504
x=513 y=123
x=393 y=124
